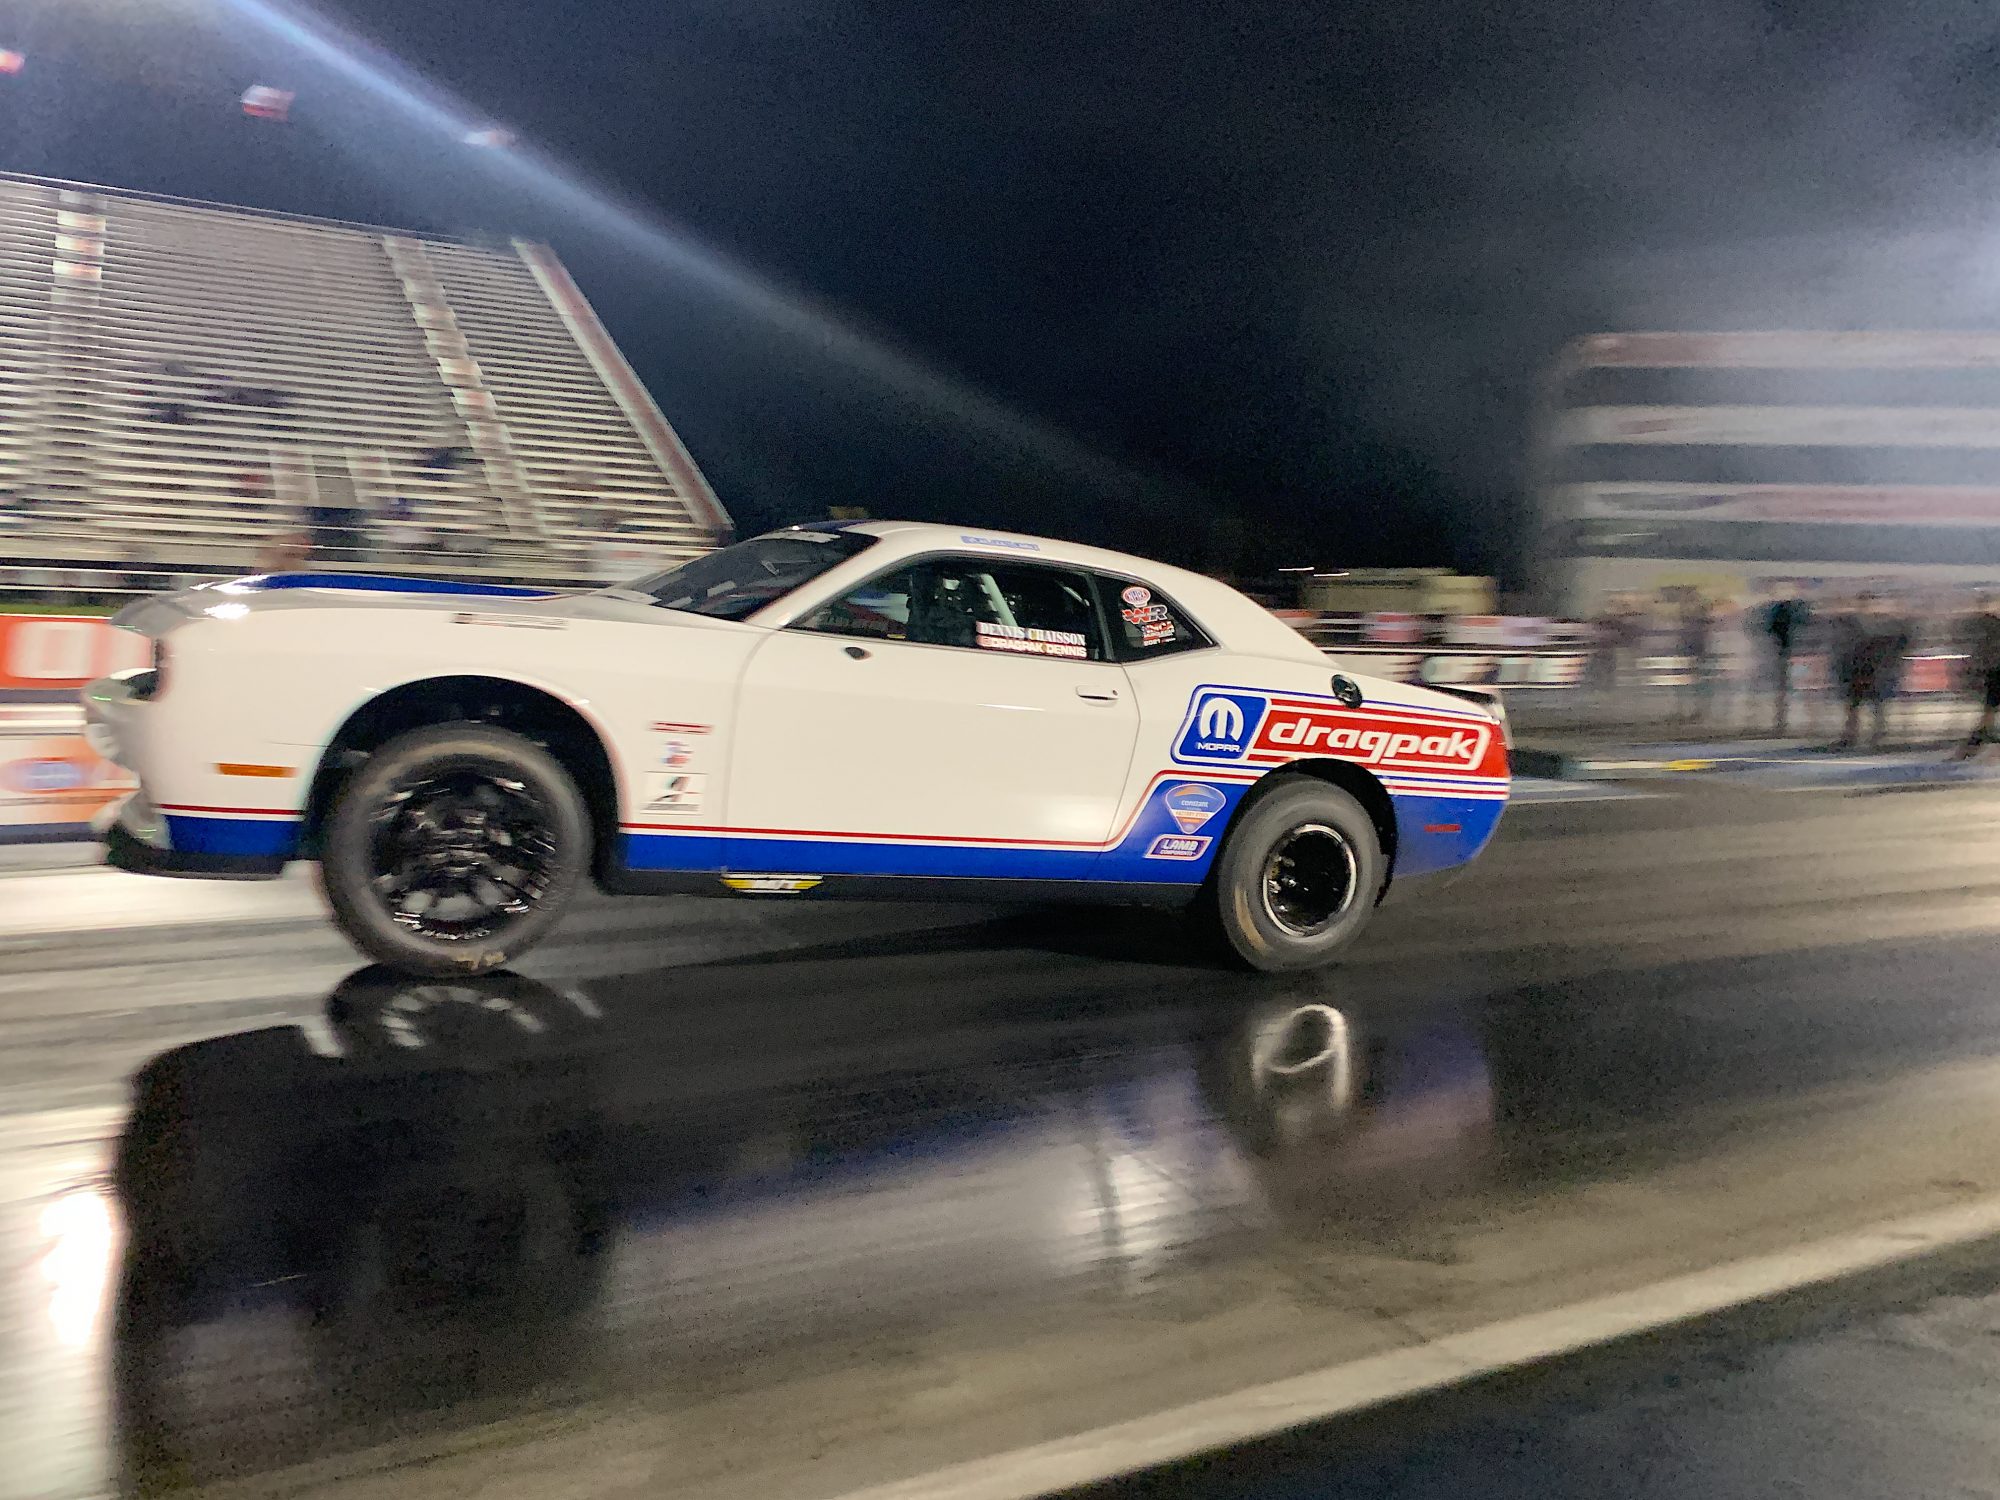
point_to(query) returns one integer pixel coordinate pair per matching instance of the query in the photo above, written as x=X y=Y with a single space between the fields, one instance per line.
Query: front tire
x=1297 y=878
x=454 y=849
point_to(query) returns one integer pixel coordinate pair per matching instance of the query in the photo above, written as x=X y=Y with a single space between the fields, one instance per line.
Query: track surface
x=755 y=1199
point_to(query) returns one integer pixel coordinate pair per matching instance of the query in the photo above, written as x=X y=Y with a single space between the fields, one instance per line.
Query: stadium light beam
x=401 y=87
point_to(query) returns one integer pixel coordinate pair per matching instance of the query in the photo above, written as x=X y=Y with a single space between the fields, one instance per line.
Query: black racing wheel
x=1297 y=876
x=454 y=849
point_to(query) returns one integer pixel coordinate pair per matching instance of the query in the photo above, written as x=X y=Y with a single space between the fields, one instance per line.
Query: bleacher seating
x=183 y=384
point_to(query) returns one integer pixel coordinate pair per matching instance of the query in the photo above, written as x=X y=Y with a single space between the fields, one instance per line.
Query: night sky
x=1234 y=282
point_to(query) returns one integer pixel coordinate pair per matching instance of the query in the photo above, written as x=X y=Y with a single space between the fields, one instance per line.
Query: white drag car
x=841 y=710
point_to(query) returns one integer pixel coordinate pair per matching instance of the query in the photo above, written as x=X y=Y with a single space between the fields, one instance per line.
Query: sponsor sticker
x=1011 y=543
x=675 y=794
x=1136 y=596
x=1372 y=739
x=1226 y=725
x=1220 y=725
x=666 y=726
x=1144 y=614
x=675 y=753
x=1178 y=846
x=1191 y=804
x=772 y=885
x=1031 y=642
x=44 y=775
x=1156 y=631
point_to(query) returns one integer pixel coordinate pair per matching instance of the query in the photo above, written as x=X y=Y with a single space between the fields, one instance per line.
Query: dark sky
x=1190 y=276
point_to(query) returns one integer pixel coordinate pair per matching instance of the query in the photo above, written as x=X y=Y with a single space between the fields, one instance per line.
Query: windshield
x=740 y=580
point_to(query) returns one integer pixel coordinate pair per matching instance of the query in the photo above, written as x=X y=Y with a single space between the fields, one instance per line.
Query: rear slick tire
x=454 y=849
x=1298 y=876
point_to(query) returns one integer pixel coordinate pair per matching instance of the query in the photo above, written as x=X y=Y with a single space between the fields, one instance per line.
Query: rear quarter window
x=1145 y=623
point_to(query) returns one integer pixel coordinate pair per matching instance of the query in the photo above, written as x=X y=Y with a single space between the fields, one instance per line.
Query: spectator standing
x=1785 y=620
x=1864 y=642
x=1607 y=641
x=1982 y=670
x=1695 y=644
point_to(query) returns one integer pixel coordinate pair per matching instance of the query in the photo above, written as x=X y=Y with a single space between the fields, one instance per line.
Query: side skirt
x=624 y=882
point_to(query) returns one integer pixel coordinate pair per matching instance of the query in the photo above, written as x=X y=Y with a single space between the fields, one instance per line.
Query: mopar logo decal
x=1220 y=725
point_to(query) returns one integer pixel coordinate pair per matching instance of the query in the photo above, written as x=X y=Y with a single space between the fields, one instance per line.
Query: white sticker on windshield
x=810 y=536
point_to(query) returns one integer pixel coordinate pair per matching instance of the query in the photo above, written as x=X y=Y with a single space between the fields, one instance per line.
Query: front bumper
x=135 y=839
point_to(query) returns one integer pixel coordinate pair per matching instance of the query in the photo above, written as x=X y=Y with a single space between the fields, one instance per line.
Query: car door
x=957 y=716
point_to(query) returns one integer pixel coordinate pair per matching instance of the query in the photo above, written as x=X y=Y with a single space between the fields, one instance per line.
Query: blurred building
x=1737 y=463
x=181 y=384
x=1417 y=591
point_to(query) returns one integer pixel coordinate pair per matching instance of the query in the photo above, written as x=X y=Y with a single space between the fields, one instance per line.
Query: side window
x=1146 y=625
x=968 y=603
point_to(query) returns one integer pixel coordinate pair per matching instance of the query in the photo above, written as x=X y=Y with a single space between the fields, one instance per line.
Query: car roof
x=1237 y=621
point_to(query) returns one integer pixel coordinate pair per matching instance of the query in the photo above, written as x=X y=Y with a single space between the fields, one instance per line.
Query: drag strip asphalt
x=750 y=1199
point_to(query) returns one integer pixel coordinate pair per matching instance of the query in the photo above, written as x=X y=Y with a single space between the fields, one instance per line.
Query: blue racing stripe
x=1433 y=833
x=382 y=583
x=671 y=851
x=262 y=838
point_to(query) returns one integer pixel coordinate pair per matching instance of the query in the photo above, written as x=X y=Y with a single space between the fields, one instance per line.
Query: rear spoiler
x=1487 y=698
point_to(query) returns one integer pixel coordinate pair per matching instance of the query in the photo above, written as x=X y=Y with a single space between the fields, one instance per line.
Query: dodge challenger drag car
x=855 y=709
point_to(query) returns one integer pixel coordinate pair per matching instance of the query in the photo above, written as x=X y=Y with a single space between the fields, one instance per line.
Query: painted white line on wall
x=1257 y=1411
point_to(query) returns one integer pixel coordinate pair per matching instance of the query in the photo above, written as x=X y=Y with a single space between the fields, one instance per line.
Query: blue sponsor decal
x=1178 y=846
x=1011 y=543
x=1221 y=724
x=1192 y=804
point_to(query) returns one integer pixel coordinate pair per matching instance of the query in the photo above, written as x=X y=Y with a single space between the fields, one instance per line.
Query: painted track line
x=1261 y=1410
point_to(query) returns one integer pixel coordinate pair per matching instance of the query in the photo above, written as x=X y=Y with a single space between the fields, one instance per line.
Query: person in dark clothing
x=1696 y=631
x=1982 y=669
x=1868 y=656
x=1785 y=621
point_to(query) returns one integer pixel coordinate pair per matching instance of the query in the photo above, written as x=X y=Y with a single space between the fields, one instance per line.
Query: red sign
x=55 y=653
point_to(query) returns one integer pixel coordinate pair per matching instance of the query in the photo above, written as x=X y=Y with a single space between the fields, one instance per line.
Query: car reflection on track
x=453 y=1191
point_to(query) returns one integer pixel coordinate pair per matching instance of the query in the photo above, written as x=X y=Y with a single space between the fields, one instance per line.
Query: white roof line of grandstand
x=174 y=200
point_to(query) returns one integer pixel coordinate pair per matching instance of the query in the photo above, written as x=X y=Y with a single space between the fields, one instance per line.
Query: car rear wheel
x=454 y=849
x=1297 y=878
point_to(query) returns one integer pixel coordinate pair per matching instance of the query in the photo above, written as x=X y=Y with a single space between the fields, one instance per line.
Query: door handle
x=859 y=653
x=1098 y=695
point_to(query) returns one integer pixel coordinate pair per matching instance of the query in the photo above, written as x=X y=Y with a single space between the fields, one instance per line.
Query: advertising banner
x=1782 y=350
x=1879 y=505
x=54 y=654
x=1784 y=426
x=51 y=782
x=1510 y=669
x=52 y=785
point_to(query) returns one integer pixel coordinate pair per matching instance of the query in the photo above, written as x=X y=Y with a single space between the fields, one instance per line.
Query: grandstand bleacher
x=183 y=386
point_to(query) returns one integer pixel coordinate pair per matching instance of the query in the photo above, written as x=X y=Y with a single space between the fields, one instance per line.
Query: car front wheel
x=454 y=849
x=1297 y=878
